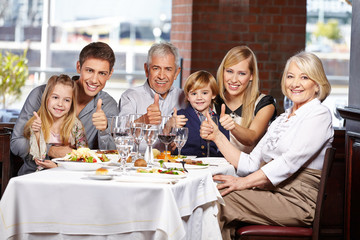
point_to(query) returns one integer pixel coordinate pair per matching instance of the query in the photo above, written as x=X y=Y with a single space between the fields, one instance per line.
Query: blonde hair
x=312 y=66
x=199 y=80
x=233 y=57
x=45 y=115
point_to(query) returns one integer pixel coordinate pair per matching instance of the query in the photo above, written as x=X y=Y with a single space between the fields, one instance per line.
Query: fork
x=183 y=164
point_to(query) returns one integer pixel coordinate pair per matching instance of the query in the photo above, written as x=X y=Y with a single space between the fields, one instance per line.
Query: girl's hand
x=225 y=120
x=229 y=183
x=36 y=125
x=180 y=120
x=208 y=129
x=45 y=164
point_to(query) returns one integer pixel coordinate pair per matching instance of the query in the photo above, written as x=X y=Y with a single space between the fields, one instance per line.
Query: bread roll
x=140 y=163
x=101 y=171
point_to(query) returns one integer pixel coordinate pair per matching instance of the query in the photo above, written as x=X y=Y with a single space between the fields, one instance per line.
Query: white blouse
x=291 y=143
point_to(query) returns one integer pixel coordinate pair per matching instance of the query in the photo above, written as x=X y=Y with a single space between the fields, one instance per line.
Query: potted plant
x=13 y=74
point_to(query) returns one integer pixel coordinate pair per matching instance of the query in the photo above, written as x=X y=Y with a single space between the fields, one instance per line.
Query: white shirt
x=138 y=99
x=291 y=143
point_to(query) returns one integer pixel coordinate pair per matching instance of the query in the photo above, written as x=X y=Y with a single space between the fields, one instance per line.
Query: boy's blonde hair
x=199 y=80
x=45 y=115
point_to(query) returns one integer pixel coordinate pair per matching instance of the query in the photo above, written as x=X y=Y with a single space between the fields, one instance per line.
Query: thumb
x=222 y=110
x=208 y=117
x=175 y=112
x=156 y=99
x=36 y=115
x=98 y=105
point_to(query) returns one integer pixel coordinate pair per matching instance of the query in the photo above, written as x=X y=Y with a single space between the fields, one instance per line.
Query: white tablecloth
x=57 y=202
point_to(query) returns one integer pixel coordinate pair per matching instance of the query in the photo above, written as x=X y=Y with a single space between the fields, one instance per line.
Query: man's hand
x=225 y=120
x=59 y=151
x=180 y=120
x=153 y=115
x=99 y=118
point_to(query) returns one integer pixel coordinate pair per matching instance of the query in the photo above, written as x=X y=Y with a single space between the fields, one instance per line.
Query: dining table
x=59 y=203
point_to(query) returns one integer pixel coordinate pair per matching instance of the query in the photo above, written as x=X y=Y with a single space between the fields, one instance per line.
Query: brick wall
x=204 y=30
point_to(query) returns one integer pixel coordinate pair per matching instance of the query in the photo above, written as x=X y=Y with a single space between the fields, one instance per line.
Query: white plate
x=135 y=179
x=99 y=177
x=79 y=166
x=179 y=165
x=158 y=175
x=213 y=160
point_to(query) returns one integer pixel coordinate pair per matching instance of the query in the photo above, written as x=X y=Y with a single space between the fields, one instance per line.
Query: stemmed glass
x=182 y=134
x=167 y=133
x=120 y=131
x=150 y=132
x=136 y=130
x=216 y=121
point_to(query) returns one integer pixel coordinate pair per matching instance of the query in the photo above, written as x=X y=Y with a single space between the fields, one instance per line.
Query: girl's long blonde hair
x=45 y=115
x=233 y=57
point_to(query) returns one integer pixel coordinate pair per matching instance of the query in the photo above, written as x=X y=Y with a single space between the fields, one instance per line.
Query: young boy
x=200 y=91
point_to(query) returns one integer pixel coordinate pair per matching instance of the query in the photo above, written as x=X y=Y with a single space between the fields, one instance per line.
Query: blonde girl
x=55 y=123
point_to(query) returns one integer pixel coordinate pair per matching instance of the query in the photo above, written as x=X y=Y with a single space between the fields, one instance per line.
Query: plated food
x=101 y=171
x=140 y=163
x=172 y=171
x=107 y=152
x=82 y=155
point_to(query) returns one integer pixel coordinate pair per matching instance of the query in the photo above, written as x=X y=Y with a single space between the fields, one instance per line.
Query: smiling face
x=236 y=78
x=200 y=99
x=299 y=87
x=93 y=76
x=161 y=73
x=60 y=100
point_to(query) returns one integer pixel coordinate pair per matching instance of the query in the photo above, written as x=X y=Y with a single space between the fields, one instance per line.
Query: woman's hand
x=229 y=183
x=180 y=120
x=36 y=125
x=208 y=129
x=225 y=120
x=45 y=163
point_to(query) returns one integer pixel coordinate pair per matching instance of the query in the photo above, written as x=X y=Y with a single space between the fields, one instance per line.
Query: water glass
x=150 y=133
x=182 y=134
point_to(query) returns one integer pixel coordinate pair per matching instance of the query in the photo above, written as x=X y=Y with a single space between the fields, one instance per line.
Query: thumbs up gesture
x=225 y=120
x=180 y=120
x=99 y=118
x=208 y=128
x=36 y=125
x=153 y=115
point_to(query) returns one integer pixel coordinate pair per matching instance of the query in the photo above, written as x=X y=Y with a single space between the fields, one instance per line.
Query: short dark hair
x=99 y=50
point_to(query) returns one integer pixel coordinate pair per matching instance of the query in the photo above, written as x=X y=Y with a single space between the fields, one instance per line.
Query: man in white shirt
x=157 y=97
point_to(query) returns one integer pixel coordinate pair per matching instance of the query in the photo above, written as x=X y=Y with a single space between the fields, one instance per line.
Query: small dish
x=99 y=177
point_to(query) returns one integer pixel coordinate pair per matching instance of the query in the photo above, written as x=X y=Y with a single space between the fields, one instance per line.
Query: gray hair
x=163 y=49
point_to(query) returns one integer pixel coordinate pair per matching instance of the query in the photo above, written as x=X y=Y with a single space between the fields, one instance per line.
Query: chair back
x=328 y=160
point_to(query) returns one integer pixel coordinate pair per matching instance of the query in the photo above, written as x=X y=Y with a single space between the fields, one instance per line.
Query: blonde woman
x=245 y=112
x=55 y=123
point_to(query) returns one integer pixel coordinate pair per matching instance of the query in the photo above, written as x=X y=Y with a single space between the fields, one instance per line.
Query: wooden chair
x=4 y=159
x=265 y=232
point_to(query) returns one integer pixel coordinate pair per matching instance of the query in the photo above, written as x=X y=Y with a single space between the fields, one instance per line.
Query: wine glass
x=182 y=134
x=120 y=131
x=167 y=133
x=150 y=132
x=136 y=130
x=216 y=121
x=287 y=103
